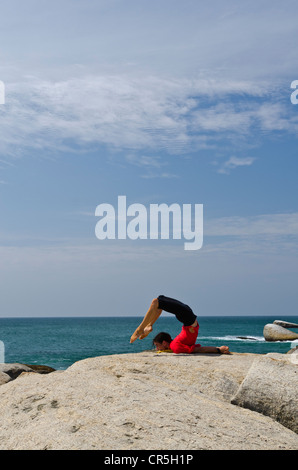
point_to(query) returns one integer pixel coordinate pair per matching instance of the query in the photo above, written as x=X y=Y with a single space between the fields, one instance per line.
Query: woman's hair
x=162 y=337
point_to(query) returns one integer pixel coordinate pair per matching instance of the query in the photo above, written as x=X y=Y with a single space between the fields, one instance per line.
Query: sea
x=58 y=342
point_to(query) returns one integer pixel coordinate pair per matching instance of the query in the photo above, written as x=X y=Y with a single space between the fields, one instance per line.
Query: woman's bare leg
x=212 y=350
x=150 y=318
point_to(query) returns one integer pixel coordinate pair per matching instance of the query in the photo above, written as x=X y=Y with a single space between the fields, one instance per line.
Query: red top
x=185 y=341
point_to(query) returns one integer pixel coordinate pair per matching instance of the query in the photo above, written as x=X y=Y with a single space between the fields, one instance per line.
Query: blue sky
x=164 y=102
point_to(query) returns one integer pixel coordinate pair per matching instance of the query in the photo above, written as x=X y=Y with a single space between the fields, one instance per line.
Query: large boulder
x=270 y=388
x=273 y=332
x=141 y=401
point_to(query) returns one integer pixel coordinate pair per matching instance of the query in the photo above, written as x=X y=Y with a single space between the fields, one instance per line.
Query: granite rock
x=285 y=324
x=273 y=332
x=137 y=402
x=12 y=371
x=270 y=387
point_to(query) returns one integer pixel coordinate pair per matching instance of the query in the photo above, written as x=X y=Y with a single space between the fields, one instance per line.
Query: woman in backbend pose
x=185 y=342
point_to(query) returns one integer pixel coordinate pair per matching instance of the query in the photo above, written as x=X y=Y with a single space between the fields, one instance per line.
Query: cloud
x=234 y=162
x=135 y=114
x=255 y=255
x=266 y=224
x=153 y=167
x=266 y=235
x=171 y=37
x=269 y=229
x=145 y=161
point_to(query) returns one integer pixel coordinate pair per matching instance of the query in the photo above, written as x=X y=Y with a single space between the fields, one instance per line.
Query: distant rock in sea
x=251 y=338
x=285 y=324
x=275 y=332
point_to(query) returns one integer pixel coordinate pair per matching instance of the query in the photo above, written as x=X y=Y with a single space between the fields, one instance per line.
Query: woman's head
x=162 y=341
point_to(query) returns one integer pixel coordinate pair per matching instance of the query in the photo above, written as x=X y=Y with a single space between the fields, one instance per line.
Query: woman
x=185 y=342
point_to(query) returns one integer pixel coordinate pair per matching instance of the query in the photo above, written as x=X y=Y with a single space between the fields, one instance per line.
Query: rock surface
x=270 y=387
x=294 y=351
x=285 y=324
x=138 y=401
x=273 y=332
x=11 y=371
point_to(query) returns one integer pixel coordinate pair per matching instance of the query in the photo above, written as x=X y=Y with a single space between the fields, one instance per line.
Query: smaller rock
x=40 y=368
x=4 y=378
x=273 y=332
x=251 y=338
x=285 y=324
x=12 y=371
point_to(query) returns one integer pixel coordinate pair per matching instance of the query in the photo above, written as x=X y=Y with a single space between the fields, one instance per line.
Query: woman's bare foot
x=136 y=334
x=146 y=332
x=224 y=350
x=141 y=333
x=150 y=318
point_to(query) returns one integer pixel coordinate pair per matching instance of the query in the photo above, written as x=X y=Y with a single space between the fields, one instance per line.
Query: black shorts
x=182 y=311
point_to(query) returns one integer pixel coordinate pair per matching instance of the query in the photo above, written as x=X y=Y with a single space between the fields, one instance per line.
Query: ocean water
x=59 y=342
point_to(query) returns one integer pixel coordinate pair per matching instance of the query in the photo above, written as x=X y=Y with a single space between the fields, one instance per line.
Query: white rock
x=273 y=332
x=137 y=401
x=10 y=371
x=4 y=378
x=270 y=387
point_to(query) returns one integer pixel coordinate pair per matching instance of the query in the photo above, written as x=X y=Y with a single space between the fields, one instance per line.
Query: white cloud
x=234 y=162
x=266 y=224
x=270 y=229
x=145 y=161
x=153 y=167
x=262 y=235
x=273 y=117
x=252 y=258
x=148 y=114
x=244 y=39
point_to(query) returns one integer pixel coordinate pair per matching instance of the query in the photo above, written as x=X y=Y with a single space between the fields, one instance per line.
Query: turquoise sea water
x=59 y=342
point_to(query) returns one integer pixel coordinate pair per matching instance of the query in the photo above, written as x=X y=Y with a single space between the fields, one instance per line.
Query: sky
x=162 y=102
